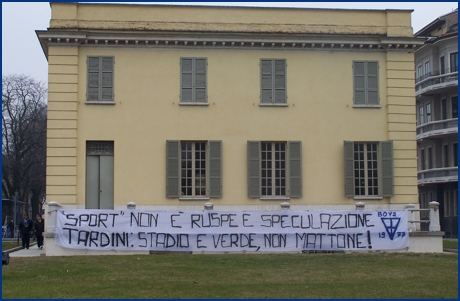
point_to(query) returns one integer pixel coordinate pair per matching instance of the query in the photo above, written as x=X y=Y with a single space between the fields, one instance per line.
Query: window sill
x=372 y=198
x=193 y=104
x=194 y=198
x=273 y=105
x=367 y=106
x=100 y=102
x=274 y=198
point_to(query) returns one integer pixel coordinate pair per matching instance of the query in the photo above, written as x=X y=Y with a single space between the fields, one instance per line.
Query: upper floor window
x=368 y=169
x=193 y=169
x=428 y=112
x=422 y=159
x=366 y=83
x=455 y=107
x=419 y=72
x=455 y=153
x=274 y=169
x=442 y=64
x=193 y=81
x=444 y=109
x=446 y=155
x=454 y=62
x=100 y=79
x=427 y=69
x=421 y=116
x=273 y=82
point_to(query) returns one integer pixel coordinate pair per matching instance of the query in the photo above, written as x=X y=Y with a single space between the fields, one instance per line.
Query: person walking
x=39 y=228
x=25 y=229
x=10 y=229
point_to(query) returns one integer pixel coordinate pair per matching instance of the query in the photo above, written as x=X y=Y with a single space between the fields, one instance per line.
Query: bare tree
x=24 y=112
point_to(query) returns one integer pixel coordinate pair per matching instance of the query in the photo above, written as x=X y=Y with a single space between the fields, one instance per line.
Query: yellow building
x=175 y=106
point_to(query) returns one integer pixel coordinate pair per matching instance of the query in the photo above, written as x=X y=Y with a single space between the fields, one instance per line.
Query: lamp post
x=15 y=200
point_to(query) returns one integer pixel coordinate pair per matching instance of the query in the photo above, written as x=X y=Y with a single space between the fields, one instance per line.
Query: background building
x=436 y=88
x=175 y=106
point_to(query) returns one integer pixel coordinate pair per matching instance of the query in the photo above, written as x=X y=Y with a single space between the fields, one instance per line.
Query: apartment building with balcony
x=172 y=107
x=436 y=90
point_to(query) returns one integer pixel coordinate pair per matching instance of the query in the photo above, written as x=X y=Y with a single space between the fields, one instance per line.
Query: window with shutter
x=100 y=80
x=368 y=169
x=193 y=81
x=193 y=169
x=273 y=82
x=366 y=84
x=274 y=169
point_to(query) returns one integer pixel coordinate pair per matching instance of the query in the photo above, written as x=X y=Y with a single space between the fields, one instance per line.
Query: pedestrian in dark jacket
x=39 y=228
x=25 y=229
x=10 y=227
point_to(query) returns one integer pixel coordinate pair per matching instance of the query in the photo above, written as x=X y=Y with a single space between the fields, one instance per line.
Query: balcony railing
x=435 y=78
x=438 y=127
x=437 y=175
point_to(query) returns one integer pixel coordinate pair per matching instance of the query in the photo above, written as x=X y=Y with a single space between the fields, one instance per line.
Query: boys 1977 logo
x=391 y=223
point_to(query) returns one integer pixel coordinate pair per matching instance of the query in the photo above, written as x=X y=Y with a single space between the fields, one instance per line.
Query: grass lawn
x=340 y=275
x=450 y=244
x=9 y=245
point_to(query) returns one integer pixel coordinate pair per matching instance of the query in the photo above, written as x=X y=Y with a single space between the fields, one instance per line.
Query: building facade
x=436 y=64
x=176 y=106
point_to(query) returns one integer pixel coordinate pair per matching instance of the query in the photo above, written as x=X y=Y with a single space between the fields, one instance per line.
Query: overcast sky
x=22 y=54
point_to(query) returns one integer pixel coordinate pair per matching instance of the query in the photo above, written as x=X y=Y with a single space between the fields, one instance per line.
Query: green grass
x=450 y=244
x=356 y=275
x=6 y=245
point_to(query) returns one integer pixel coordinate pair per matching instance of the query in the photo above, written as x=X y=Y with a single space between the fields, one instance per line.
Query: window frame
x=193 y=85
x=446 y=155
x=273 y=82
x=427 y=69
x=366 y=88
x=454 y=106
x=213 y=163
x=455 y=154
x=430 y=157
x=421 y=115
x=428 y=112
x=442 y=64
x=453 y=63
x=293 y=170
x=422 y=159
x=100 y=86
x=420 y=72
x=385 y=170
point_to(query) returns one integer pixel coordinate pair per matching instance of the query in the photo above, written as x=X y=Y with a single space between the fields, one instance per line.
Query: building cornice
x=228 y=41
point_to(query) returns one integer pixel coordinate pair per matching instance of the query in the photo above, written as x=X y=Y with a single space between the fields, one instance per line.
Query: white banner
x=251 y=231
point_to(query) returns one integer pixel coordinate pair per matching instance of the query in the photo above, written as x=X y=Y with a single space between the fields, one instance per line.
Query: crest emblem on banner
x=391 y=225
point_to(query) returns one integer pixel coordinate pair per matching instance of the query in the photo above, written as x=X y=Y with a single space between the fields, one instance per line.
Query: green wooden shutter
x=279 y=84
x=186 y=83
x=200 y=81
x=386 y=150
x=172 y=168
x=107 y=79
x=349 y=168
x=93 y=81
x=253 y=169
x=359 y=83
x=215 y=169
x=372 y=83
x=100 y=79
x=266 y=81
x=295 y=168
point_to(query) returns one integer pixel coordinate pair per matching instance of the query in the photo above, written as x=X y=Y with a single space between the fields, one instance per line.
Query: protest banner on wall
x=251 y=231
